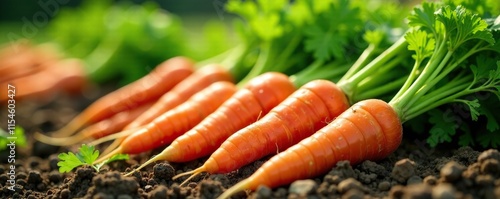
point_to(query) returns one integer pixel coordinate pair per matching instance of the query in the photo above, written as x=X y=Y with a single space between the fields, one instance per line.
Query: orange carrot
x=148 y=88
x=164 y=129
x=369 y=130
x=256 y=99
x=182 y=91
x=22 y=59
x=97 y=130
x=300 y=115
x=66 y=75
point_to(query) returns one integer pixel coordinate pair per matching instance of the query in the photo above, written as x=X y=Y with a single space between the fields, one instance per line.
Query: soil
x=413 y=171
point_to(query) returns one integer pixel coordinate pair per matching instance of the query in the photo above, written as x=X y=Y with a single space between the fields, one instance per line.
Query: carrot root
x=240 y=186
x=112 y=146
x=60 y=141
x=109 y=155
x=111 y=137
x=193 y=174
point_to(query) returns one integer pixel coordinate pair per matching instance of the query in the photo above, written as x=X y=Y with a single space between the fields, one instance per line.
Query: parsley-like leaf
x=86 y=156
x=443 y=127
x=420 y=42
x=68 y=161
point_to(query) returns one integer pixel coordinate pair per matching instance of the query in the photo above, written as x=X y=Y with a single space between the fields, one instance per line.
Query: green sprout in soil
x=6 y=138
x=86 y=156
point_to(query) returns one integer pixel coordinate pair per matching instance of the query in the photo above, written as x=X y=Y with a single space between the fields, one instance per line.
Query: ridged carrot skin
x=254 y=100
x=259 y=96
x=369 y=130
x=194 y=83
x=164 y=129
x=304 y=112
x=150 y=87
x=297 y=117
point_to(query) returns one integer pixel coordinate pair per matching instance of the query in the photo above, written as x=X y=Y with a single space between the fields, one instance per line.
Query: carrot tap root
x=71 y=128
x=160 y=156
x=60 y=141
x=193 y=174
x=240 y=186
x=112 y=137
x=112 y=146
x=109 y=155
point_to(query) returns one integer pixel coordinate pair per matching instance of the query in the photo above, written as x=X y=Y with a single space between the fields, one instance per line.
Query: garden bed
x=414 y=171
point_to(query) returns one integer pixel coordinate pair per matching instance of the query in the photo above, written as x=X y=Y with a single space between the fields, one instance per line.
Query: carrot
x=199 y=80
x=97 y=130
x=300 y=115
x=66 y=75
x=372 y=129
x=369 y=130
x=175 y=122
x=148 y=88
x=257 y=98
x=22 y=59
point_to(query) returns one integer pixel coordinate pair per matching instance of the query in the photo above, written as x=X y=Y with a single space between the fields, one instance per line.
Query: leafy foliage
x=19 y=136
x=86 y=156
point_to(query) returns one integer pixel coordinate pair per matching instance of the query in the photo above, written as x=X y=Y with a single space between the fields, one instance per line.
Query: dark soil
x=413 y=171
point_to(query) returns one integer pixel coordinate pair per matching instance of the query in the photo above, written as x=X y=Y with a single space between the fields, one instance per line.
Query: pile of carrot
x=304 y=103
x=39 y=71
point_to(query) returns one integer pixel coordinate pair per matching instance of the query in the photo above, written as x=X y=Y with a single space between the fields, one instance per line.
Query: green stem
x=349 y=85
x=413 y=74
x=382 y=76
x=407 y=98
x=381 y=90
x=282 y=63
x=360 y=62
x=438 y=100
x=260 y=66
x=457 y=84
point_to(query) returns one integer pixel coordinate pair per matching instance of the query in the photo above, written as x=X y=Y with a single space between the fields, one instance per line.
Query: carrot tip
x=130 y=173
x=109 y=155
x=59 y=141
x=240 y=186
x=70 y=129
x=193 y=173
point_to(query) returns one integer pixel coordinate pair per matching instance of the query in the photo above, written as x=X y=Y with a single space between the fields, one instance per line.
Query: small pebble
x=163 y=171
x=384 y=186
x=484 y=180
x=403 y=169
x=303 y=187
x=396 y=191
x=353 y=194
x=452 y=171
x=430 y=180
x=489 y=154
x=348 y=184
x=34 y=177
x=417 y=191
x=159 y=192
x=443 y=191
x=490 y=166
x=414 y=180
x=263 y=192
x=55 y=177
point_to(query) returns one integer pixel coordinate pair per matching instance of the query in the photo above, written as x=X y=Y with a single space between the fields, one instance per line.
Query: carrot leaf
x=87 y=155
x=443 y=127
